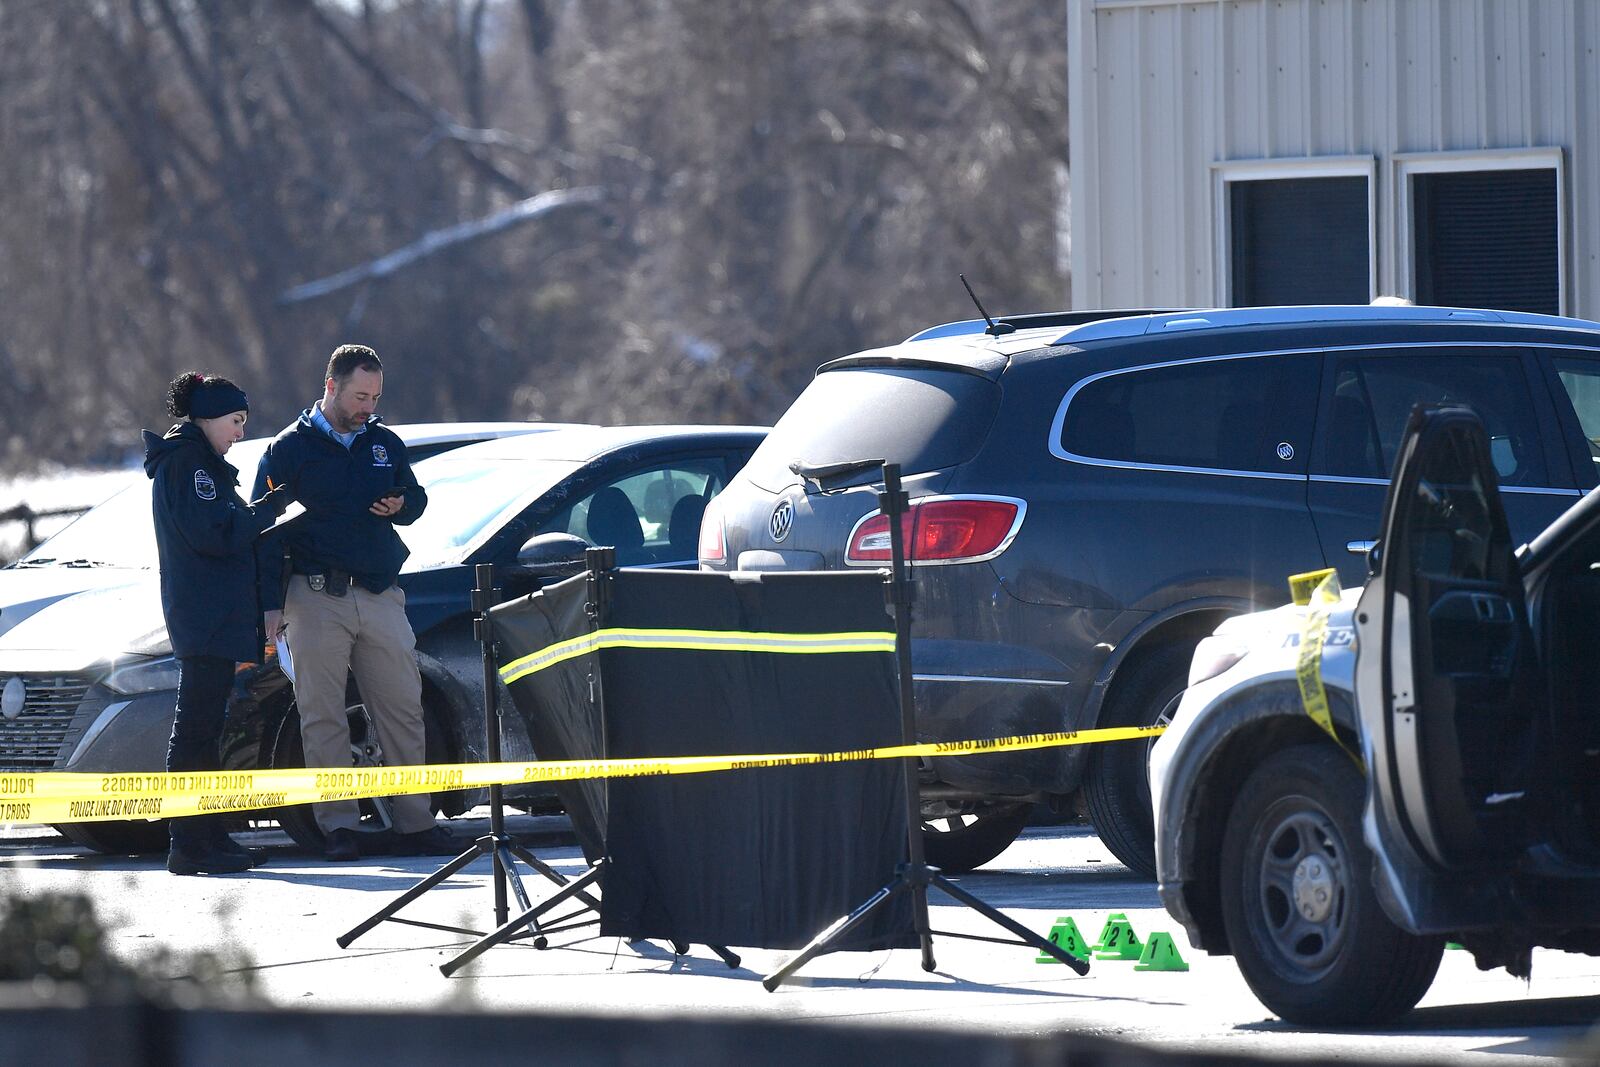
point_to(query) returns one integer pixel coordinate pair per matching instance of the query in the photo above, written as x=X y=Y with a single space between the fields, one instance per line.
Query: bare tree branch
x=964 y=56
x=404 y=91
x=439 y=240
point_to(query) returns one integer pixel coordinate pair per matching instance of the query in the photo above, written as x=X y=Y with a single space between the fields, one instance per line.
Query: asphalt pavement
x=280 y=923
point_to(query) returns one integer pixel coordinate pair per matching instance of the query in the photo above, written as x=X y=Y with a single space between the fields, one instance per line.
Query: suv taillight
x=713 y=545
x=952 y=529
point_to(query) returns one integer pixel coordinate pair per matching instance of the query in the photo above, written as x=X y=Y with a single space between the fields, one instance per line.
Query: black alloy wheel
x=961 y=836
x=298 y=821
x=1116 y=785
x=1298 y=905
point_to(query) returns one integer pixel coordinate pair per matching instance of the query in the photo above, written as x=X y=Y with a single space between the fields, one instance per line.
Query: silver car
x=87 y=676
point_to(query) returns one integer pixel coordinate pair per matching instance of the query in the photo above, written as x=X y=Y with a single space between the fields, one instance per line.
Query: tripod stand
x=496 y=844
x=914 y=876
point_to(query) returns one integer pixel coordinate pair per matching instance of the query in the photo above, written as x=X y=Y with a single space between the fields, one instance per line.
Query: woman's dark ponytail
x=181 y=391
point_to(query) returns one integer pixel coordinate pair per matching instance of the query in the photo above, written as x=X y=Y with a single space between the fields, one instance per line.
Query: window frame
x=1058 y=424
x=1574 y=443
x=1546 y=412
x=1407 y=165
x=648 y=466
x=1225 y=174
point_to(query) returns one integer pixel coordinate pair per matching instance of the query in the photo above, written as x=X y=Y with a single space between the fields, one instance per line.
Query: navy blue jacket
x=205 y=537
x=337 y=485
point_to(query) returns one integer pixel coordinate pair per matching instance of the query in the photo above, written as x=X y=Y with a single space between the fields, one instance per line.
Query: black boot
x=193 y=851
x=224 y=844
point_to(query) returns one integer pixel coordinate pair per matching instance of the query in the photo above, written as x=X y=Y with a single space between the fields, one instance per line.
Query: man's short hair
x=347 y=359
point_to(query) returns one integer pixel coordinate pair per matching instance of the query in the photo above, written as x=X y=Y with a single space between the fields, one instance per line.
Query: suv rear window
x=1248 y=413
x=920 y=418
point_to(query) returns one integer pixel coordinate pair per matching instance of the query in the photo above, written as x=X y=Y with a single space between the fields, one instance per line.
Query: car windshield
x=120 y=530
x=469 y=498
x=465 y=496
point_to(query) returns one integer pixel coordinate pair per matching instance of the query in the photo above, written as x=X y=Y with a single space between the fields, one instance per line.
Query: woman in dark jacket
x=205 y=536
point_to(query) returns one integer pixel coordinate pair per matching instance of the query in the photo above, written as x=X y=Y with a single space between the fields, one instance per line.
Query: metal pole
x=483 y=598
x=894 y=503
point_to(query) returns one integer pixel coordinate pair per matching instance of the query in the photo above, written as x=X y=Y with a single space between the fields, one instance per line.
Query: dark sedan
x=528 y=504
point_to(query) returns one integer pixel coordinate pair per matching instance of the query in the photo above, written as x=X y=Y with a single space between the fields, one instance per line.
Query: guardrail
x=29 y=516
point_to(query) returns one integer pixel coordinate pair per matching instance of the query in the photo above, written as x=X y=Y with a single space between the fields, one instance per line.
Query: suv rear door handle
x=1360 y=548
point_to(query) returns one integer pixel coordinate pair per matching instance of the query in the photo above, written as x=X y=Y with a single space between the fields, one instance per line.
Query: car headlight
x=1214 y=655
x=145 y=676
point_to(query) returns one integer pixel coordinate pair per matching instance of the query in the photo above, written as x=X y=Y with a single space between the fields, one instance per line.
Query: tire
x=961 y=838
x=130 y=838
x=287 y=751
x=1116 y=787
x=1298 y=906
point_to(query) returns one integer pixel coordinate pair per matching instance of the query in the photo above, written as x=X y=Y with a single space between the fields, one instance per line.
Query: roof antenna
x=995 y=328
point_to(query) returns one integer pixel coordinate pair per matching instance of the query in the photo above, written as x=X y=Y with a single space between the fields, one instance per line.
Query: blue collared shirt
x=321 y=422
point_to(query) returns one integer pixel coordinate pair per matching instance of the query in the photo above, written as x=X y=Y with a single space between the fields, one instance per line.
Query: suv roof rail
x=1140 y=324
x=1044 y=320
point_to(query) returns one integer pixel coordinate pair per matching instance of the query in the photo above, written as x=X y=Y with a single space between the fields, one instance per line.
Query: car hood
x=74 y=622
x=26 y=590
x=1272 y=640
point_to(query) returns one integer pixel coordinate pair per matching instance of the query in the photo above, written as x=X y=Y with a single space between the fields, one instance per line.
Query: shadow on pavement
x=1115 y=889
x=1447 y=1019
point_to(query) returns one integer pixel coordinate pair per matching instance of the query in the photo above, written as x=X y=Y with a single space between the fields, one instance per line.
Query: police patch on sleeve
x=204 y=487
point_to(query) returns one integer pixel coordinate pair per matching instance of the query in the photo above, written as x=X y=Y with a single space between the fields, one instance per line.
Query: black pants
x=204 y=683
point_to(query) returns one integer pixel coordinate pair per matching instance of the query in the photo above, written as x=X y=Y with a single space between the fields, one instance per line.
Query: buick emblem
x=13 y=698
x=1285 y=451
x=782 y=520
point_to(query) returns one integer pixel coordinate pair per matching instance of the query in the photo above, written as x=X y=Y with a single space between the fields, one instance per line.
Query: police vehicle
x=1348 y=785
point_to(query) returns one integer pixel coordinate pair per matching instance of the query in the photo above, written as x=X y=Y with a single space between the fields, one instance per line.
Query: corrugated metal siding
x=1161 y=91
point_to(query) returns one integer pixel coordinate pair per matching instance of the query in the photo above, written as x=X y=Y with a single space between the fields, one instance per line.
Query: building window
x=1300 y=240
x=1487 y=238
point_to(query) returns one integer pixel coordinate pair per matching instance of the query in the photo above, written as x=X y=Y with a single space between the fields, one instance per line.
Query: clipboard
x=290 y=513
x=285 y=660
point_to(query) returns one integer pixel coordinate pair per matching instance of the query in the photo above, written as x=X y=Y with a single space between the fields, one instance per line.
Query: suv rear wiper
x=817 y=474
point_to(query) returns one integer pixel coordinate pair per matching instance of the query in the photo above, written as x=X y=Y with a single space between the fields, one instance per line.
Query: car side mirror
x=1374 y=559
x=553 y=553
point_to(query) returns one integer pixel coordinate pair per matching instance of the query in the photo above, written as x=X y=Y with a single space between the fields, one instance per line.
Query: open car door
x=1448 y=691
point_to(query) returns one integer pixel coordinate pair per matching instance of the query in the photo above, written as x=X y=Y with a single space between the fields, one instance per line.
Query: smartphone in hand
x=389 y=494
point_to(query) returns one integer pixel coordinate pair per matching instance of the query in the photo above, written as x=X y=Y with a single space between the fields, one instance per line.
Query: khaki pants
x=368 y=634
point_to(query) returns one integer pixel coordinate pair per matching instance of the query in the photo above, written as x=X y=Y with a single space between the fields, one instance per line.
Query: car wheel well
x=439 y=711
x=437 y=702
x=1224 y=775
x=1183 y=629
x=1144 y=690
x=269 y=713
x=442 y=726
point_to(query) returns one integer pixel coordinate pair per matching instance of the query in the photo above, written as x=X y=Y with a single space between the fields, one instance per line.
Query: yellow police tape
x=1320 y=591
x=57 y=797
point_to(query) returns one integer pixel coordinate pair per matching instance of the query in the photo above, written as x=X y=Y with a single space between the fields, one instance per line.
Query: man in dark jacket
x=337 y=605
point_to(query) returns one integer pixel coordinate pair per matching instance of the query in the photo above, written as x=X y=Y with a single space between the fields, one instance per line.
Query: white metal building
x=1240 y=152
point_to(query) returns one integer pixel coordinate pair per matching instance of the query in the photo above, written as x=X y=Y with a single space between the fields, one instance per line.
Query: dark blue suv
x=1095 y=492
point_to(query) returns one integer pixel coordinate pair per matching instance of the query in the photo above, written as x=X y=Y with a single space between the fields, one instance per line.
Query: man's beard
x=342 y=421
